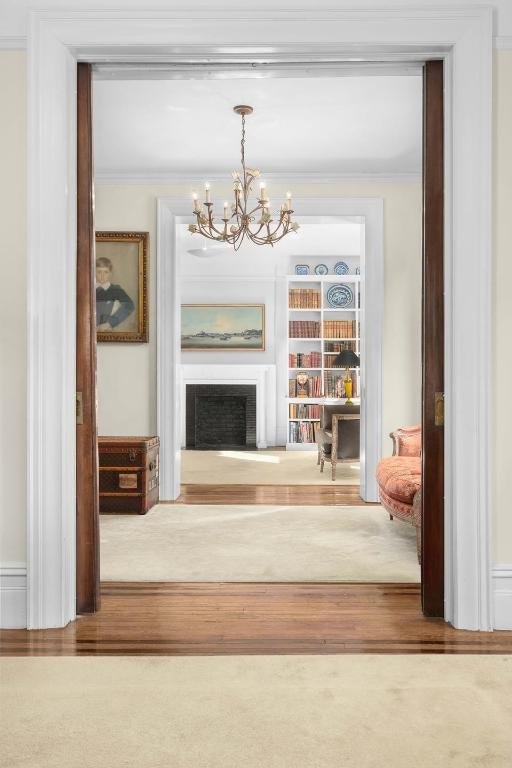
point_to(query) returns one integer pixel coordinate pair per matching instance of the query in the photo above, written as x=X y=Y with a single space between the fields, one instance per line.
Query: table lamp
x=347 y=358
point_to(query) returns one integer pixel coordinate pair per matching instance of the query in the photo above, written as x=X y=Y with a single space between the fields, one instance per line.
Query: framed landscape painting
x=215 y=327
x=121 y=286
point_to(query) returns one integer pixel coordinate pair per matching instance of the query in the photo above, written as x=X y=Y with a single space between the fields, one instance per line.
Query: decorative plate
x=341 y=268
x=301 y=269
x=321 y=269
x=340 y=296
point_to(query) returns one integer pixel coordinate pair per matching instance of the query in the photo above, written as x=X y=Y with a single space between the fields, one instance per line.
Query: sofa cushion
x=400 y=477
x=408 y=441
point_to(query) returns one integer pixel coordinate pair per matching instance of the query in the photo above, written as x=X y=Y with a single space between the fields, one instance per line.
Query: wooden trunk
x=128 y=471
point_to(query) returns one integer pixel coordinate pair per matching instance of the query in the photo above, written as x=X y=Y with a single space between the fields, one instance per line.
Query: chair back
x=348 y=430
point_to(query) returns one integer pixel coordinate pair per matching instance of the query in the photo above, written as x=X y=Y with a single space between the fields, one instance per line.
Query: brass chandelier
x=243 y=221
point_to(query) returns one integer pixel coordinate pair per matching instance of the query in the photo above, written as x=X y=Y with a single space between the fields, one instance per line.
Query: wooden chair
x=339 y=426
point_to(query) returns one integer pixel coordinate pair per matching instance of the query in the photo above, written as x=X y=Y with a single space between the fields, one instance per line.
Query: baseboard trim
x=502 y=596
x=13 y=596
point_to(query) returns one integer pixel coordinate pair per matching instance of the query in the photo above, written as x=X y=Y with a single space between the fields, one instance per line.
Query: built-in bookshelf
x=317 y=332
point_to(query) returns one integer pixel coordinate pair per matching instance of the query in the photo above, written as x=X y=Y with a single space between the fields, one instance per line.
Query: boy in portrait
x=113 y=305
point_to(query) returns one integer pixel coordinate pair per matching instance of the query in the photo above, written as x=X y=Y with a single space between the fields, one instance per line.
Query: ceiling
x=346 y=125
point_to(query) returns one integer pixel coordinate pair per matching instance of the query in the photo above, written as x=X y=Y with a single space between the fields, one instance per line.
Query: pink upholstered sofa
x=399 y=479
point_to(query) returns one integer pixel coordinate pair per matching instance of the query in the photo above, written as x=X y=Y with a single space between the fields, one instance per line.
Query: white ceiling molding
x=105 y=177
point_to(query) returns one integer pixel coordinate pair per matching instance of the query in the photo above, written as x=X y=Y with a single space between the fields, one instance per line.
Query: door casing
x=463 y=38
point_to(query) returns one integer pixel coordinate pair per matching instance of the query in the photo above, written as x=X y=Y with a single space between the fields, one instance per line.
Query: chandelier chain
x=242 y=144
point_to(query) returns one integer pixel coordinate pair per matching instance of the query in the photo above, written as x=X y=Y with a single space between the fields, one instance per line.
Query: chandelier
x=256 y=223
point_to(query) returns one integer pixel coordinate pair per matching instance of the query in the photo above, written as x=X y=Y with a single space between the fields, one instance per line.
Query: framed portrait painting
x=121 y=286
x=223 y=327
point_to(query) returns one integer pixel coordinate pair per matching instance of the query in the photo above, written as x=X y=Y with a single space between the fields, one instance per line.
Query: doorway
x=52 y=428
x=374 y=278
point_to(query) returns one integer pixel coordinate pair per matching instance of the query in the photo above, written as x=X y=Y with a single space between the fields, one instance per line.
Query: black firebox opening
x=221 y=416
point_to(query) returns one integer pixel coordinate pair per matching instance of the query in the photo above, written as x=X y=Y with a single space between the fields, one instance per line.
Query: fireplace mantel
x=263 y=376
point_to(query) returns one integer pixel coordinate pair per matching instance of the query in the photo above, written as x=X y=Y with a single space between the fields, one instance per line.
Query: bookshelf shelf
x=297 y=419
x=331 y=330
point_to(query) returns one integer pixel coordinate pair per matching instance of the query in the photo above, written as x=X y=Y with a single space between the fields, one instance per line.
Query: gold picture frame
x=122 y=286
x=223 y=327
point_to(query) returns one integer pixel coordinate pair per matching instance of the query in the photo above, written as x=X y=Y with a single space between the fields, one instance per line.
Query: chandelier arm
x=276 y=230
x=259 y=207
x=212 y=228
x=257 y=231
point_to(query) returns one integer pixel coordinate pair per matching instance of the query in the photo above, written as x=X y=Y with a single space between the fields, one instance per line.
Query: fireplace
x=221 y=416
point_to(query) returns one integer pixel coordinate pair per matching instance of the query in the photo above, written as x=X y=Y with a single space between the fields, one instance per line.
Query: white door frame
x=460 y=35
x=168 y=292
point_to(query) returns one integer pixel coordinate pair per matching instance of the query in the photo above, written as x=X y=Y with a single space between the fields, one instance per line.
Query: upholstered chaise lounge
x=399 y=479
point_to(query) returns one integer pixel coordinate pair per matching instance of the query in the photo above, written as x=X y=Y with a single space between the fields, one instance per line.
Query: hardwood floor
x=305 y=495
x=219 y=618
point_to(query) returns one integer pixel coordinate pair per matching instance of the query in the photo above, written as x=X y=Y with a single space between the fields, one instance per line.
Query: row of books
x=305 y=360
x=313 y=387
x=340 y=329
x=301 y=411
x=329 y=360
x=335 y=347
x=334 y=385
x=303 y=298
x=304 y=329
x=302 y=431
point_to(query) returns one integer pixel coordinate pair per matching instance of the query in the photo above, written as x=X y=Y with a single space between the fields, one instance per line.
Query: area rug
x=179 y=542
x=257 y=712
x=270 y=467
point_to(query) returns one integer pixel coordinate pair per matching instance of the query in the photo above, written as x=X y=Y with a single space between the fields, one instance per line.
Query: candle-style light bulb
x=196 y=202
x=289 y=200
x=263 y=191
x=226 y=207
x=207 y=193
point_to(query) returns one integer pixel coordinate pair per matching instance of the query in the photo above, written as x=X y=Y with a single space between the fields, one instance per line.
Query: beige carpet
x=257 y=712
x=270 y=467
x=257 y=543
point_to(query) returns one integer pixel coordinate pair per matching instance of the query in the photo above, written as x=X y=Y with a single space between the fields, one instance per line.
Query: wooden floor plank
x=304 y=495
x=254 y=618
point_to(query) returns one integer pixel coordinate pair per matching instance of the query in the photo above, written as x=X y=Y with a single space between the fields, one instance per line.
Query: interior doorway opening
x=326 y=375
x=315 y=297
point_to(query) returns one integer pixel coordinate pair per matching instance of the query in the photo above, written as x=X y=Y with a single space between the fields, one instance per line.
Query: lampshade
x=347 y=358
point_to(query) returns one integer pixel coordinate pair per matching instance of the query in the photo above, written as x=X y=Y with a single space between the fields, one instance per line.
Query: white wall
x=127 y=372
x=121 y=206
x=13 y=308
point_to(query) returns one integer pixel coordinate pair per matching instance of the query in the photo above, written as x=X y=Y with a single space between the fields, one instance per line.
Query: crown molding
x=111 y=177
x=13 y=43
